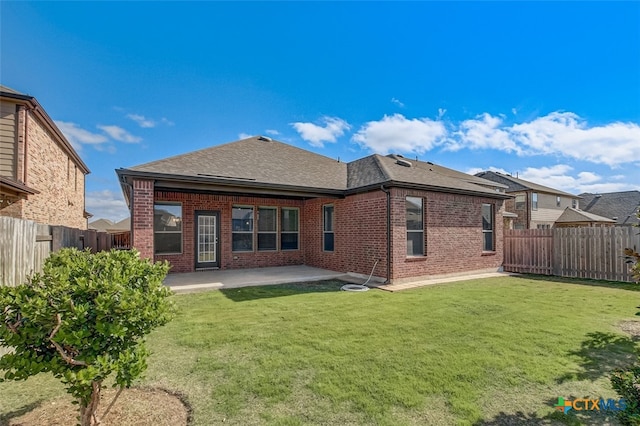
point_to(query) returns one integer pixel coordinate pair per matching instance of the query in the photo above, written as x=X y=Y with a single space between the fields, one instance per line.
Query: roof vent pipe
x=264 y=138
x=404 y=163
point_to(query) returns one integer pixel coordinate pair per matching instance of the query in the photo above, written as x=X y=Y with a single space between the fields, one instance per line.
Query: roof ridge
x=381 y=167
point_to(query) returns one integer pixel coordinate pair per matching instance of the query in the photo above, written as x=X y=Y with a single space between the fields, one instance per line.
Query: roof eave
x=407 y=185
x=181 y=182
x=35 y=106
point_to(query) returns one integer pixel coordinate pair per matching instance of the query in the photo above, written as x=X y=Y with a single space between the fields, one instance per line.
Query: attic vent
x=429 y=162
x=265 y=138
x=402 y=162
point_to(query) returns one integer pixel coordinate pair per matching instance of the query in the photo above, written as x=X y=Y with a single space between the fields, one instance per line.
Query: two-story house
x=42 y=178
x=537 y=206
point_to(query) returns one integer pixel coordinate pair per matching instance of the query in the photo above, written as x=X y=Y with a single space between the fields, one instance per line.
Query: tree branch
x=65 y=356
x=113 y=401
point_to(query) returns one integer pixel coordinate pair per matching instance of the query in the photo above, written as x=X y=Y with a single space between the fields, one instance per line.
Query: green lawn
x=490 y=352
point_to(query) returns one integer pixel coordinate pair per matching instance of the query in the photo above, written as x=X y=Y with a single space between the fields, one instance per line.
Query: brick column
x=142 y=217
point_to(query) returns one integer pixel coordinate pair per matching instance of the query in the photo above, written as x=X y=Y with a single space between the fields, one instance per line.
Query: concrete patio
x=235 y=278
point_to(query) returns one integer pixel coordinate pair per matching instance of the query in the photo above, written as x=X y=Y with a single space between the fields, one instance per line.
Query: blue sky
x=547 y=90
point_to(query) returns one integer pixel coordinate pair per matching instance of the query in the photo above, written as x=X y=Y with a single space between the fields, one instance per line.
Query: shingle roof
x=258 y=162
x=517 y=184
x=574 y=215
x=256 y=159
x=6 y=89
x=620 y=205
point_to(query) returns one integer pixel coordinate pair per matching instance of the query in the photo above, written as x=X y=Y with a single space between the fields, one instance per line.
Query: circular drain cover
x=354 y=287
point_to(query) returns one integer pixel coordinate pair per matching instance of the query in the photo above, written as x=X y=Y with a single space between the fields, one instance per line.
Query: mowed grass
x=493 y=351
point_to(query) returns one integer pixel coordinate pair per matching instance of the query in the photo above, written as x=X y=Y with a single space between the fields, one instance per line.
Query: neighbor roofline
x=33 y=105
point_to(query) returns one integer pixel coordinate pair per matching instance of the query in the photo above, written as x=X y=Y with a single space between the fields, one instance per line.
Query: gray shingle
x=620 y=205
x=574 y=215
x=517 y=184
x=257 y=160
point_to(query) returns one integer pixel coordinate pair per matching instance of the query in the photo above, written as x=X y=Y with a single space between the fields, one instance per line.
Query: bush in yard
x=84 y=318
x=626 y=382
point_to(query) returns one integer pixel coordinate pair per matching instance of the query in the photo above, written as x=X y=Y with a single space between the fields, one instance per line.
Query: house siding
x=60 y=182
x=548 y=211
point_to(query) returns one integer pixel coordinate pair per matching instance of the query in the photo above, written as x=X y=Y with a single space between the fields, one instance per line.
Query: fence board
x=25 y=245
x=596 y=253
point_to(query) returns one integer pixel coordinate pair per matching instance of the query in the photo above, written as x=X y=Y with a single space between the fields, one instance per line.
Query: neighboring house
x=259 y=202
x=41 y=176
x=574 y=218
x=537 y=206
x=619 y=206
x=106 y=225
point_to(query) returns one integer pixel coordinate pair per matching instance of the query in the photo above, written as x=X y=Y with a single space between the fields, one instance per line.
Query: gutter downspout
x=386 y=191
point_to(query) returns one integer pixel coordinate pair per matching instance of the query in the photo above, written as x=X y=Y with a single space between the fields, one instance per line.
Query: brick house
x=536 y=206
x=258 y=202
x=41 y=176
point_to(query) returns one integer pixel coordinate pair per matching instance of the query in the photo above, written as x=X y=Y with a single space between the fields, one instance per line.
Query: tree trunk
x=88 y=415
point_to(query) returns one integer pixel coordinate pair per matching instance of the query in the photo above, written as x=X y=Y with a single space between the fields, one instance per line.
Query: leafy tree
x=82 y=319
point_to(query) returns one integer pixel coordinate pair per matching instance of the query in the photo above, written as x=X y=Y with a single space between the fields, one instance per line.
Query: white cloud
x=563 y=133
x=514 y=111
x=244 y=135
x=441 y=113
x=561 y=177
x=78 y=136
x=166 y=121
x=141 y=120
x=272 y=132
x=119 y=134
x=316 y=135
x=483 y=132
x=396 y=133
x=106 y=204
x=566 y=133
x=397 y=102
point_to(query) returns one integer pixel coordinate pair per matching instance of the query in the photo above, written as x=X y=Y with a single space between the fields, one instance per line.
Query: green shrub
x=626 y=383
x=82 y=319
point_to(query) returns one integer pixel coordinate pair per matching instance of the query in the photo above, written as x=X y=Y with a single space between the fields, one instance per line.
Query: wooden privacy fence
x=24 y=246
x=596 y=253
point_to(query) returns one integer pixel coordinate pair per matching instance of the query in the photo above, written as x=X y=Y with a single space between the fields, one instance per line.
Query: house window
x=242 y=228
x=289 y=229
x=558 y=201
x=543 y=226
x=520 y=201
x=574 y=204
x=167 y=228
x=487 y=227
x=328 y=235
x=415 y=227
x=534 y=201
x=267 y=228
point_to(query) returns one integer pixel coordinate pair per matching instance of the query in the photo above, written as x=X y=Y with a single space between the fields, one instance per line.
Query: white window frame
x=534 y=201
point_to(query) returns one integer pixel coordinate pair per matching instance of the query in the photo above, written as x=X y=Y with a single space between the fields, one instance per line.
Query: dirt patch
x=141 y=407
x=631 y=327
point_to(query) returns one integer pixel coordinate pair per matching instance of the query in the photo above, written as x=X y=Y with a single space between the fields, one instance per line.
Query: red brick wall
x=360 y=234
x=142 y=217
x=453 y=232
x=185 y=262
x=453 y=235
x=50 y=171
